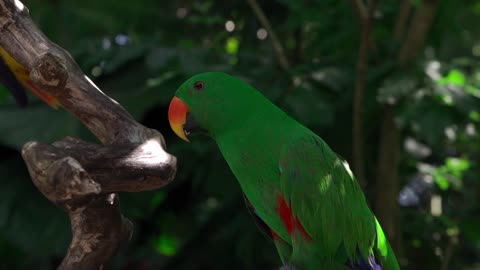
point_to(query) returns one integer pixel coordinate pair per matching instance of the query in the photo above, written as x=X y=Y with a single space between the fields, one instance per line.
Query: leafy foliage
x=139 y=53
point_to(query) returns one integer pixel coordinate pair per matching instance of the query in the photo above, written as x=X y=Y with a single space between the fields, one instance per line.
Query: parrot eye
x=199 y=85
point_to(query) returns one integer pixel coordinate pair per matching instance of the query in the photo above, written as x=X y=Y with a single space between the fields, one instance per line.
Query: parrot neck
x=252 y=150
x=257 y=141
x=258 y=131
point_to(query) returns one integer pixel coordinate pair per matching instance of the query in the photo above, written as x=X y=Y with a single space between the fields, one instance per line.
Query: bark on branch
x=390 y=146
x=401 y=21
x=82 y=177
x=361 y=71
x=276 y=44
x=417 y=33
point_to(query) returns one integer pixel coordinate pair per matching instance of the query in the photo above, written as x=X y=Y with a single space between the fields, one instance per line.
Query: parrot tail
x=49 y=99
x=364 y=263
x=7 y=78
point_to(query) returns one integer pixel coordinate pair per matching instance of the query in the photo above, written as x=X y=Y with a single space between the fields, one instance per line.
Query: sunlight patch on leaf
x=451 y=173
x=474 y=91
x=474 y=115
x=446 y=99
x=457 y=166
x=440 y=179
x=159 y=80
x=232 y=45
x=432 y=69
x=476 y=8
x=453 y=231
x=454 y=77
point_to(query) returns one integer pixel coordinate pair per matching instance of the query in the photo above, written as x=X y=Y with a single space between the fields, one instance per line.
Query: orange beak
x=177 y=116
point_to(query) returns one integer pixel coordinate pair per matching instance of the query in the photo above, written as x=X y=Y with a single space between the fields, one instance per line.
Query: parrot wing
x=284 y=249
x=8 y=79
x=327 y=205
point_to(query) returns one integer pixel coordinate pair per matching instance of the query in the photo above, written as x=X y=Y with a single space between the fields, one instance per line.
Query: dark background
x=139 y=52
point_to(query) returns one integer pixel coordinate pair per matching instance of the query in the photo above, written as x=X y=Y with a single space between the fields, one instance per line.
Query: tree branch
x=417 y=33
x=130 y=167
x=389 y=149
x=364 y=15
x=276 y=44
x=452 y=243
x=362 y=66
x=82 y=177
x=402 y=20
x=361 y=10
x=54 y=71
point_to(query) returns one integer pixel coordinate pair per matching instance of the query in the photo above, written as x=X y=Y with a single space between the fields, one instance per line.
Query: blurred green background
x=139 y=52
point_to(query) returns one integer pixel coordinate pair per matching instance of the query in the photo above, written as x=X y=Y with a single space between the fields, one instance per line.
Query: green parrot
x=300 y=190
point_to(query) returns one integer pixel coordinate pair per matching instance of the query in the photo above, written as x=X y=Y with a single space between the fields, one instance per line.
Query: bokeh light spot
x=229 y=26
x=262 y=34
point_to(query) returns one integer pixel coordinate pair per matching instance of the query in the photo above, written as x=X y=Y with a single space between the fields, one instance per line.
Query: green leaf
x=474 y=91
x=440 y=179
x=457 y=166
x=453 y=231
x=310 y=106
x=474 y=115
x=4 y=95
x=166 y=244
x=469 y=228
x=416 y=3
x=454 y=77
x=416 y=243
x=429 y=121
x=39 y=123
x=22 y=204
x=157 y=199
x=232 y=44
x=395 y=88
x=476 y=8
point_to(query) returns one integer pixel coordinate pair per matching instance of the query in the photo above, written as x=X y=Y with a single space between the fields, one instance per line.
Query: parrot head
x=210 y=103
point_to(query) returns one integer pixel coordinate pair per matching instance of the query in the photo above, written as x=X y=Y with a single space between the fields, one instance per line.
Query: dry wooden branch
x=82 y=177
x=357 y=114
x=131 y=167
x=401 y=21
x=361 y=10
x=364 y=15
x=449 y=250
x=276 y=44
x=417 y=33
x=389 y=148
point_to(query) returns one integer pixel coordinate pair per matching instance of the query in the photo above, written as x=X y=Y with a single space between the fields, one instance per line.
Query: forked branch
x=84 y=178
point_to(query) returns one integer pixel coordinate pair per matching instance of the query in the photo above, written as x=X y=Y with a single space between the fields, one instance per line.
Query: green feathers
x=328 y=201
x=298 y=186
